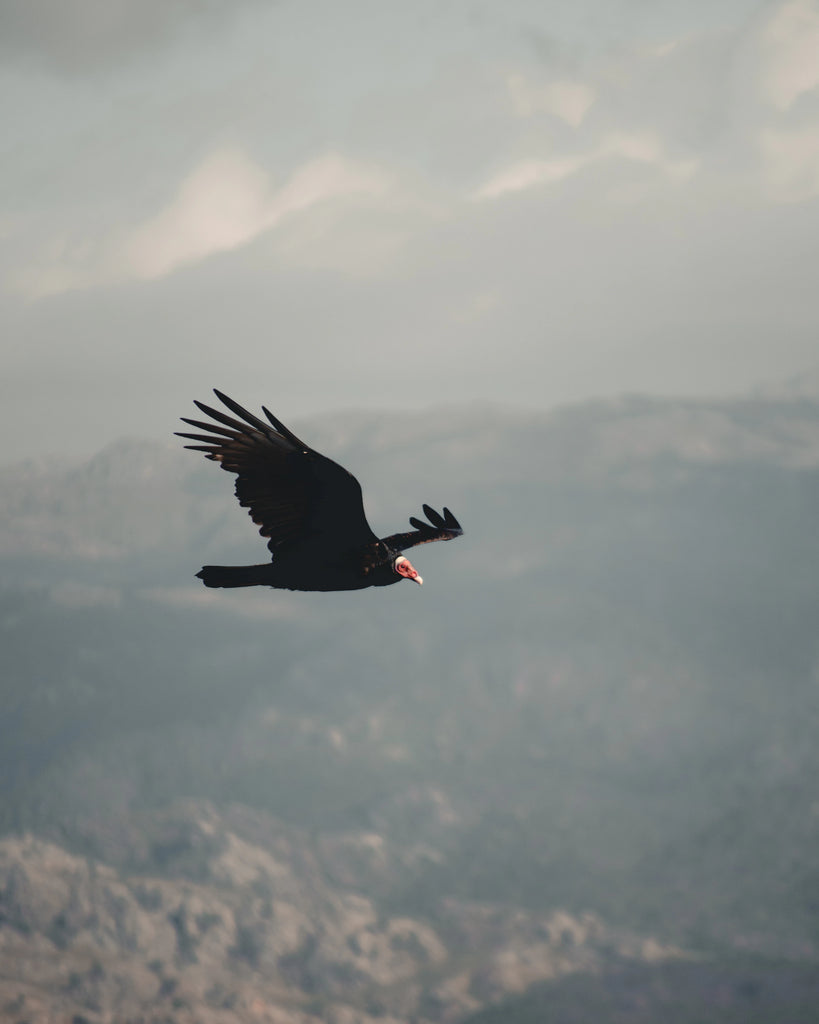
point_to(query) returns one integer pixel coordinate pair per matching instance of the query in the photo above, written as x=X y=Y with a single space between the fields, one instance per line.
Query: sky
x=324 y=205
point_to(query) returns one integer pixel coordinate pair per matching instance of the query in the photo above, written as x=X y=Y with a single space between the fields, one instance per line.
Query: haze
x=373 y=205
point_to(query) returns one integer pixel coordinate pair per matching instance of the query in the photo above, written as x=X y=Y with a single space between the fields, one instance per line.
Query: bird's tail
x=235 y=575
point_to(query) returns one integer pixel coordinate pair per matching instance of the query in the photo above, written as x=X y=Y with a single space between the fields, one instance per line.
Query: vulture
x=310 y=509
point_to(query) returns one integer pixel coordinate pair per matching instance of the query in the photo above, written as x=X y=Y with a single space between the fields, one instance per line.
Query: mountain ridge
x=603 y=701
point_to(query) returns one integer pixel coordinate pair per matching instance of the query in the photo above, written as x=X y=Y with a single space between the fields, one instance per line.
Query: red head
x=404 y=568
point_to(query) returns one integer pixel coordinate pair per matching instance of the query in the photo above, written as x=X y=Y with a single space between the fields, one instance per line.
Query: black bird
x=308 y=506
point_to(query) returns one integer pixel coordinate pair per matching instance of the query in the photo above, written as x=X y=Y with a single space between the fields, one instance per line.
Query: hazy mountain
x=602 y=704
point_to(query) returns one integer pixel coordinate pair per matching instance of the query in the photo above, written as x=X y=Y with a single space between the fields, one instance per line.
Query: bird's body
x=310 y=509
x=295 y=570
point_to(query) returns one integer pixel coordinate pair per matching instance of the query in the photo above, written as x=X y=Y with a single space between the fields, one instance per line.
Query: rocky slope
x=246 y=923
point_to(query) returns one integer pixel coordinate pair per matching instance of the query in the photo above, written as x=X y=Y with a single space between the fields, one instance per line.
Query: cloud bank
x=433 y=197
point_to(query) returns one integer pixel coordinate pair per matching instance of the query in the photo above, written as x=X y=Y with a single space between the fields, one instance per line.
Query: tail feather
x=235 y=575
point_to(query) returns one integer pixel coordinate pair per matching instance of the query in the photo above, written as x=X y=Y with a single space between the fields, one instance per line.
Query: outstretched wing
x=439 y=527
x=294 y=494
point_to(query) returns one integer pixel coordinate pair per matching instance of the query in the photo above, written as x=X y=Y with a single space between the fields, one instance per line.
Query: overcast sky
x=333 y=204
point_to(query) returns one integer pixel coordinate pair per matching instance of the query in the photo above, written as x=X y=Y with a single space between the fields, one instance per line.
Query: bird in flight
x=310 y=509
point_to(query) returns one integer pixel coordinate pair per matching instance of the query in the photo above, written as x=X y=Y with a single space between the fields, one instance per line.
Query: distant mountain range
x=586 y=749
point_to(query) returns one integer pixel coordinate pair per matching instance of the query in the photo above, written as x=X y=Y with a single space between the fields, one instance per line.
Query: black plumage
x=310 y=509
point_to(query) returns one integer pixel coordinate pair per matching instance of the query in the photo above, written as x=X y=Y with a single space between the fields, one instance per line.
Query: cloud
x=524 y=174
x=729 y=108
x=489 y=225
x=77 y=36
x=692 y=112
x=647 y=148
x=225 y=203
x=789 y=48
x=565 y=98
x=643 y=148
x=228 y=201
x=791 y=162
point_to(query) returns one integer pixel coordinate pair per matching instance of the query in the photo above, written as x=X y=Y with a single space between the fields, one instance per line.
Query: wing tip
x=446 y=526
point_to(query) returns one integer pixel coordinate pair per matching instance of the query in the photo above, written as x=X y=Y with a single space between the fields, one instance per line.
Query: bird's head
x=404 y=568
